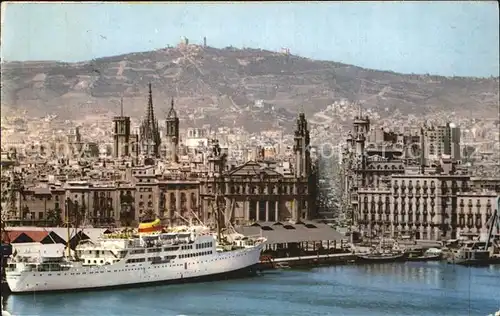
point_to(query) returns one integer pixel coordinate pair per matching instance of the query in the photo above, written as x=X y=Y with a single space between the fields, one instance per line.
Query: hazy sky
x=446 y=38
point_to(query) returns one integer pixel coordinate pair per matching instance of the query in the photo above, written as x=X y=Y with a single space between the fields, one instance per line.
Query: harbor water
x=410 y=288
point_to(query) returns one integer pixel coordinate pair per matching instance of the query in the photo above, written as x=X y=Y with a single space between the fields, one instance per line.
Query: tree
x=76 y=212
x=26 y=212
x=126 y=209
x=54 y=217
x=82 y=211
x=148 y=215
x=109 y=211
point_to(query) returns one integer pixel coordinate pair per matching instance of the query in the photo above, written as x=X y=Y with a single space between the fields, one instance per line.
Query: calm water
x=383 y=289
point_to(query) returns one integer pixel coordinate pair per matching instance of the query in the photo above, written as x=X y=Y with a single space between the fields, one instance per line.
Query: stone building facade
x=126 y=190
x=260 y=190
x=388 y=195
x=429 y=207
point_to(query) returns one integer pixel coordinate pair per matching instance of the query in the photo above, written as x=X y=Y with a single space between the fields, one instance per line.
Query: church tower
x=149 y=133
x=361 y=129
x=121 y=134
x=172 y=132
x=301 y=148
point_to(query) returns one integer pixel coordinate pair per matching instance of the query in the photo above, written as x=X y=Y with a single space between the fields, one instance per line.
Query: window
x=170 y=248
x=135 y=260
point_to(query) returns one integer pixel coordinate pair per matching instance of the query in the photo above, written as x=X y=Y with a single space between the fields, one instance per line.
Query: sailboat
x=381 y=253
x=378 y=255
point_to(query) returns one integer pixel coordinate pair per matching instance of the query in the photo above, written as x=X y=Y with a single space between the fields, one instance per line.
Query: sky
x=442 y=38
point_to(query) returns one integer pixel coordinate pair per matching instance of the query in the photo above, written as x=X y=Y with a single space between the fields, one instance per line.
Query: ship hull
x=246 y=272
x=220 y=266
x=470 y=263
x=380 y=259
x=425 y=258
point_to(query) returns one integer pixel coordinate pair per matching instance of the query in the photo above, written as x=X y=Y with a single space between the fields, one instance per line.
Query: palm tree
x=82 y=211
x=109 y=210
x=26 y=212
x=148 y=215
x=126 y=209
x=75 y=211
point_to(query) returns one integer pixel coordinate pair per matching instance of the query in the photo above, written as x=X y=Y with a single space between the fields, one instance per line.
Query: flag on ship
x=150 y=227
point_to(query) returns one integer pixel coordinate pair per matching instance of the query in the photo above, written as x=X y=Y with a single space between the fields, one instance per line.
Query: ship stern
x=14 y=281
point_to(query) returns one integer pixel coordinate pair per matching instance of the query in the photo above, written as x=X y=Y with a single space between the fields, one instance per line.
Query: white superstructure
x=112 y=261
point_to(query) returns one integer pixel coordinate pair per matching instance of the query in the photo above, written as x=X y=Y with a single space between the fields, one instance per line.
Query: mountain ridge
x=267 y=50
x=226 y=83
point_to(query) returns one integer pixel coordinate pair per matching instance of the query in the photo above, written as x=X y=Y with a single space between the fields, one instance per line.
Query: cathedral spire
x=150 y=137
x=171 y=113
x=150 y=116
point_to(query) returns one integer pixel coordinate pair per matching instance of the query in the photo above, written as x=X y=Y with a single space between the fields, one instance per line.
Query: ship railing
x=118 y=236
x=22 y=268
x=11 y=268
x=25 y=259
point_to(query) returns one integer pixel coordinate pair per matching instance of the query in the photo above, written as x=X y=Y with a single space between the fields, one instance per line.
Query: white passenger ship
x=191 y=254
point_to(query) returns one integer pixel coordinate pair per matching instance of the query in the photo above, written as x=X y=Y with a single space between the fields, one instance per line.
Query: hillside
x=226 y=81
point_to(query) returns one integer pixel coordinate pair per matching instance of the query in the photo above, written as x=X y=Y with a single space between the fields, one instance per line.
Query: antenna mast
x=121 y=107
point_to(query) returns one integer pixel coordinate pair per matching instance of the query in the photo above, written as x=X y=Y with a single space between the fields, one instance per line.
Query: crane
x=493 y=221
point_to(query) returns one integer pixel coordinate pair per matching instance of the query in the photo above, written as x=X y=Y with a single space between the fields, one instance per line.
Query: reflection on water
x=382 y=289
x=433 y=274
x=406 y=272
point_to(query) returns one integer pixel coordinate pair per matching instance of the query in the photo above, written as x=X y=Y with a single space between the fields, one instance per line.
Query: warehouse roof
x=285 y=232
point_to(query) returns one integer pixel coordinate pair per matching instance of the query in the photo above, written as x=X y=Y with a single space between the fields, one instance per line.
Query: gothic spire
x=150 y=136
x=150 y=116
x=171 y=113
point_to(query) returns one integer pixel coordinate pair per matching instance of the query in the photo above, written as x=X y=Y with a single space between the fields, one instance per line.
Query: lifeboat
x=150 y=227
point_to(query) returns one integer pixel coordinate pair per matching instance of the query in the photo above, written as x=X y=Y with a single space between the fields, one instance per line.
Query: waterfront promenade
x=410 y=288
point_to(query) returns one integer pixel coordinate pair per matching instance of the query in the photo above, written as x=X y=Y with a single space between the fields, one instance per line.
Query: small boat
x=432 y=254
x=496 y=313
x=386 y=251
x=425 y=258
x=282 y=265
x=376 y=257
x=470 y=256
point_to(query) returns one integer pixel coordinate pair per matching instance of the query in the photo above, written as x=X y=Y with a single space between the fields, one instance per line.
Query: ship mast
x=66 y=206
x=217 y=210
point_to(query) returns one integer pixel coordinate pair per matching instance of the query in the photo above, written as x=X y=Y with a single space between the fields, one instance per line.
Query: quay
x=5 y=288
x=268 y=263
